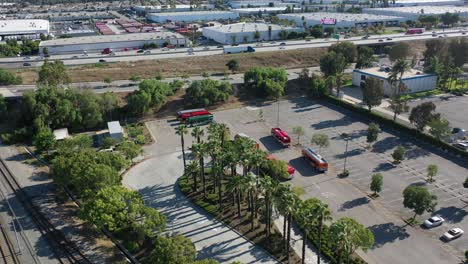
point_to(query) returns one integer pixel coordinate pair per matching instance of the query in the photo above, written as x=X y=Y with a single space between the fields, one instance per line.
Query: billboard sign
x=328 y=21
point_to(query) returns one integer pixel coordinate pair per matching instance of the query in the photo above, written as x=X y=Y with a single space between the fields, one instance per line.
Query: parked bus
x=199 y=120
x=415 y=31
x=180 y=113
x=317 y=161
x=242 y=135
x=281 y=136
x=291 y=169
x=184 y=116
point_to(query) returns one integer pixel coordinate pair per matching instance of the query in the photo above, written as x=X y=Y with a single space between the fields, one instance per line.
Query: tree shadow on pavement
x=354 y=203
x=452 y=214
x=271 y=144
x=383 y=167
x=350 y=153
x=387 y=233
x=344 y=121
x=415 y=152
x=385 y=144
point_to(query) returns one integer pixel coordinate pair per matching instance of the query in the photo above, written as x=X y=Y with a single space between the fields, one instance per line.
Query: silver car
x=434 y=221
x=452 y=234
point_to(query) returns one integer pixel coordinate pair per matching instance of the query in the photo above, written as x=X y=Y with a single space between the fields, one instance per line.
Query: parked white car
x=434 y=221
x=452 y=234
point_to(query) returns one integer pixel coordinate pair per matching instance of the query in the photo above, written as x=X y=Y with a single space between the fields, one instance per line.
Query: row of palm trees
x=260 y=193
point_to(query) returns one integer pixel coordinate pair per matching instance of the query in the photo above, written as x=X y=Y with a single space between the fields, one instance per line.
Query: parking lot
x=452 y=107
x=348 y=196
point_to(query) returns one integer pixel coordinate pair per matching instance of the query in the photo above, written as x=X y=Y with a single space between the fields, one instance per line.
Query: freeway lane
x=130 y=56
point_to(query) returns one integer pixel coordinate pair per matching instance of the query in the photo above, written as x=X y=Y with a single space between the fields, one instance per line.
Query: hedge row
x=400 y=127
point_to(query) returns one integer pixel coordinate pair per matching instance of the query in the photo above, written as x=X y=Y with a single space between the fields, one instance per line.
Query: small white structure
x=116 y=42
x=245 y=32
x=61 y=133
x=115 y=130
x=191 y=16
x=413 y=12
x=344 y=20
x=415 y=80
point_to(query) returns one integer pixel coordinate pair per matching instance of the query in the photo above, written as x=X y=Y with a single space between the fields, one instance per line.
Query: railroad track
x=7 y=249
x=65 y=251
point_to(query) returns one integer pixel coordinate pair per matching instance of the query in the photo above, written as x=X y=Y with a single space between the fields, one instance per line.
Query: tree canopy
x=9 y=78
x=172 y=250
x=208 y=92
x=266 y=81
x=151 y=94
x=53 y=74
x=419 y=200
x=347 y=49
x=332 y=63
x=422 y=114
x=372 y=92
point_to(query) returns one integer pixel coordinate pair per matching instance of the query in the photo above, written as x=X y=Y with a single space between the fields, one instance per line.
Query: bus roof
x=190 y=111
x=315 y=155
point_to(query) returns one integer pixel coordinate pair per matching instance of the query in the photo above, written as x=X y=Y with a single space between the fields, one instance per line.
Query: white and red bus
x=415 y=31
x=317 y=161
x=281 y=136
x=242 y=135
x=180 y=113
x=186 y=116
x=291 y=169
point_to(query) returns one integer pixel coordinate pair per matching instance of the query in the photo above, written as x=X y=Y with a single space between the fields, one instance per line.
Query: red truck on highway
x=106 y=51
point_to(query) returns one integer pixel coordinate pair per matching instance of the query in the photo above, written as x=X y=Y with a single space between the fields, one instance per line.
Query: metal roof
x=23 y=26
x=114 y=127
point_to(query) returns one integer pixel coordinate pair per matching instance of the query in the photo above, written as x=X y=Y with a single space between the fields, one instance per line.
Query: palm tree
x=340 y=233
x=236 y=185
x=395 y=78
x=330 y=82
x=251 y=184
x=192 y=170
x=181 y=130
x=199 y=152
x=198 y=133
x=268 y=187
x=322 y=214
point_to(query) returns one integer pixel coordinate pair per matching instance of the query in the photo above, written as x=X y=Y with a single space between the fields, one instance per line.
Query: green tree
x=268 y=187
x=172 y=250
x=256 y=35
x=399 y=51
x=233 y=65
x=314 y=213
x=135 y=78
x=332 y=63
x=372 y=132
x=376 y=183
x=395 y=78
x=3 y=109
x=422 y=114
x=318 y=87
x=399 y=154
x=419 y=200
x=321 y=140
x=465 y=184
x=278 y=169
x=450 y=19
x=299 y=131
x=432 y=171
x=347 y=49
x=439 y=128
x=138 y=103
x=9 y=78
x=266 y=81
x=44 y=140
x=108 y=80
x=129 y=149
x=181 y=130
x=372 y=92
x=109 y=102
x=53 y=74
x=365 y=57
x=208 y=92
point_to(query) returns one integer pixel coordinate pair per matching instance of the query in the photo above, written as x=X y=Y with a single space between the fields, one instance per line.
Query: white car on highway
x=434 y=221
x=452 y=234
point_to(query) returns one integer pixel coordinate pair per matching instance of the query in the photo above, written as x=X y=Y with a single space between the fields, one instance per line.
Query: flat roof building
x=61 y=133
x=261 y=10
x=245 y=32
x=261 y=3
x=415 y=80
x=343 y=20
x=399 y=3
x=14 y=27
x=413 y=12
x=166 y=8
x=115 y=130
x=119 y=41
x=191 y=16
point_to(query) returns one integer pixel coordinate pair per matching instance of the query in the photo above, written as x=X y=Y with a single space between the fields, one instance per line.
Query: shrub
x=399 y=154
x=208 y=92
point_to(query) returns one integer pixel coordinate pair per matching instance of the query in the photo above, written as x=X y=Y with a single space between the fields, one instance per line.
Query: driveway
x=155 y=180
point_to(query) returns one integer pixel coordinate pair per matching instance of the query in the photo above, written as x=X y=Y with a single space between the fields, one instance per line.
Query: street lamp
x=345 y=136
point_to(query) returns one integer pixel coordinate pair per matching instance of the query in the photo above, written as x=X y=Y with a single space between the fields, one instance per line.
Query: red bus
x=291 y=169
x=180 y=113
x=242 y=135
x=281 y=136
x=317 y=161
x=415 y=31
x=184 y=117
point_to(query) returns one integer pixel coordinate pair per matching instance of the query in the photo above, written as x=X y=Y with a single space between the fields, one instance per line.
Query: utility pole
x=345 y=136
x=278 y=113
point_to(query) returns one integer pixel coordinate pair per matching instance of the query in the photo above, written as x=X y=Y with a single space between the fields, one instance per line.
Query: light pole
x=345 y=136
x=277 y=115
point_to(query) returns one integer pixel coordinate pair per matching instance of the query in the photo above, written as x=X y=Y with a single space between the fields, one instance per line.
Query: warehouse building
x=400 y=3
x=261 y=10
x=342 y=20
x=245 y=32
x=191 y=16
x=415 y=80
x=167 y=8
x=115 y=42
x=262 y=3
x=413 y=12
x=28 y=28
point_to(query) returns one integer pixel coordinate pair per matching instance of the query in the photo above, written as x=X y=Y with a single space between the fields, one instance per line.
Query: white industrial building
x=261 y=10
x=262 y=3
x=29 y=28
x=343 y=20
x=245 y=32
x=399 y=3
x=413 y=12
x=415 y=80
x=167 y=8
x=115 y=42
x=191 y=16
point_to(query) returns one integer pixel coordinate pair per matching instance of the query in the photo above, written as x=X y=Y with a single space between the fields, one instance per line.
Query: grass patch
x=413 y=96
x=412 y=222
x=139 y=133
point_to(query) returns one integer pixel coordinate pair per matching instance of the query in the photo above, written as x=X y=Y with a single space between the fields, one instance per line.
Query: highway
x=131 y=56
